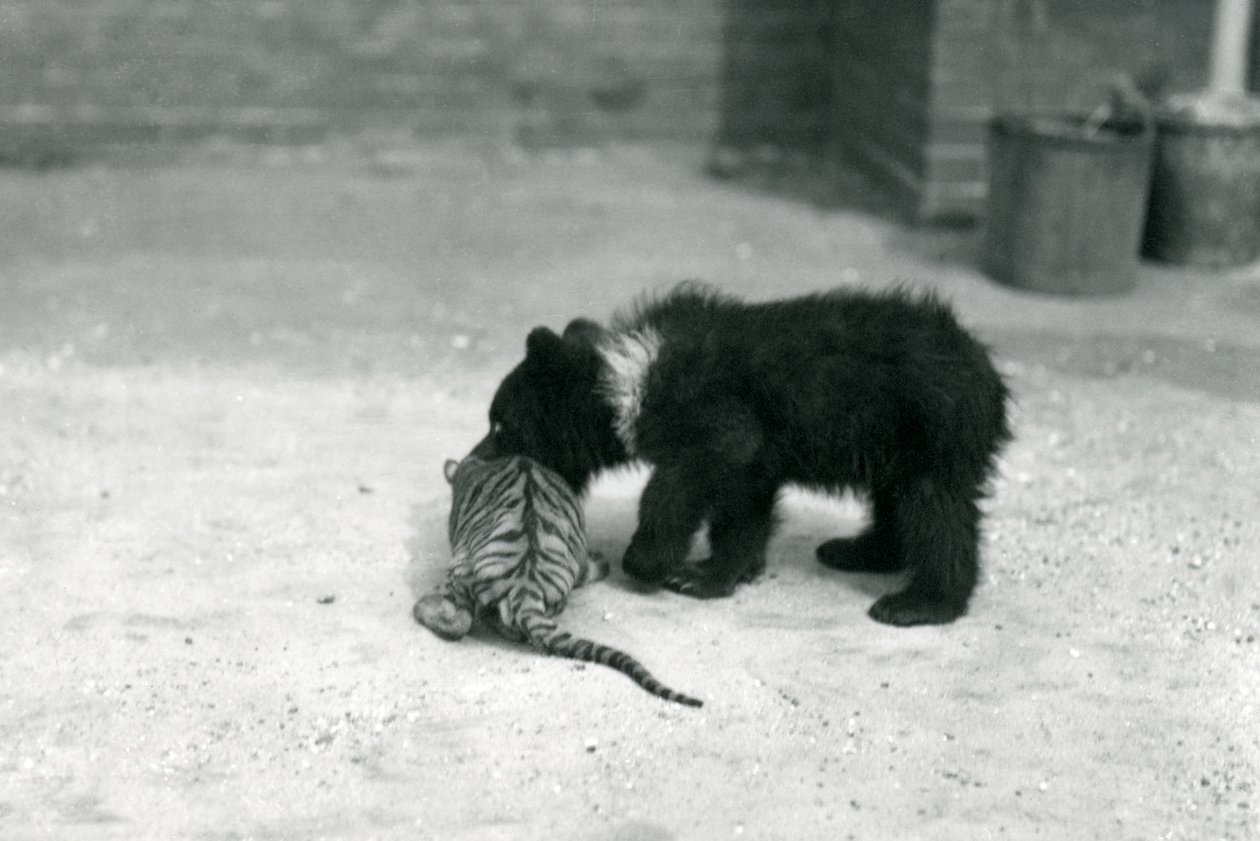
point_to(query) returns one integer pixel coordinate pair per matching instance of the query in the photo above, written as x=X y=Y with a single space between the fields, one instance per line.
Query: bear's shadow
x=806 y=519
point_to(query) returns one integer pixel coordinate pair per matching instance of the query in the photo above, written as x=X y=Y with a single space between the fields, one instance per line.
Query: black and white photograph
x=629 y=420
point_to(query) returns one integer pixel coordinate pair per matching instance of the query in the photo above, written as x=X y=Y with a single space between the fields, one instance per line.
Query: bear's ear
x=543 y=343
x=583 y=330
x=448 y=469
x=553 y=358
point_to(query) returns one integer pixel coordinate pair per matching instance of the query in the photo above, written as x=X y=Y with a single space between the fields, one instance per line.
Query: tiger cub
x=518 y=548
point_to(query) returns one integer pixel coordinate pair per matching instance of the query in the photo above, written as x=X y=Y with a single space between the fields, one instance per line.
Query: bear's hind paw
x=907 y=608
x=864 y=553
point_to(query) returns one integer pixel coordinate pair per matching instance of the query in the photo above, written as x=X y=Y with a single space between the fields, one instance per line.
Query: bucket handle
x=1124 y=102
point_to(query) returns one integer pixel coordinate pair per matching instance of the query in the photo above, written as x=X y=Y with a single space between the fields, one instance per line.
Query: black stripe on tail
x=543 y=634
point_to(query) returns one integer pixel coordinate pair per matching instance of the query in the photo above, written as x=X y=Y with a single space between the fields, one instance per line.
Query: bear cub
x=729 y=401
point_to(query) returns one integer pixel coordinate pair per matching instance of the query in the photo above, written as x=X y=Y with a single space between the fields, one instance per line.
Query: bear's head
x=549 y=407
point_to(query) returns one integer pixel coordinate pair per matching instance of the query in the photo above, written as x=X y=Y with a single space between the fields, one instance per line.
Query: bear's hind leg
x=874 y=550
x=938 y=531
x=740 y=525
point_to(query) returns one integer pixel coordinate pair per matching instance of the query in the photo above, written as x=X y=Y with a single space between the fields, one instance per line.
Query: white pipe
x=1230 y=41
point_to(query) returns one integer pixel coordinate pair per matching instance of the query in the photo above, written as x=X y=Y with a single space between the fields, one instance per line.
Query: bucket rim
x=1174 y=122
x=1064 y=128
x=1207 y=112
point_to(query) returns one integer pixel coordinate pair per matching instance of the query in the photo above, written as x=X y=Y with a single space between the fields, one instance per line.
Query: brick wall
x=546 y=70
x=545 y=67
x=640 y=66
x=903 y=87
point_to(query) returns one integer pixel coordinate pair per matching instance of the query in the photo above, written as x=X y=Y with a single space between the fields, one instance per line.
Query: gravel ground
x=228 y=384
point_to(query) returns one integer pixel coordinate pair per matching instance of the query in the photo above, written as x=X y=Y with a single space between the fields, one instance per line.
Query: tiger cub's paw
x=442 y=616
x=596 y=567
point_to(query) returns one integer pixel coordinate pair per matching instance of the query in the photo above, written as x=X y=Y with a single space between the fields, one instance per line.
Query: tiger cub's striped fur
x=518 y=548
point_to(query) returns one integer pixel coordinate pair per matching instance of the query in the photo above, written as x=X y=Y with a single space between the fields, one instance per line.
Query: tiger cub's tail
x=543 y=634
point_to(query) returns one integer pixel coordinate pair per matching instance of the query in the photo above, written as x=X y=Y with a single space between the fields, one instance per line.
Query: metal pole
x=1231 y=34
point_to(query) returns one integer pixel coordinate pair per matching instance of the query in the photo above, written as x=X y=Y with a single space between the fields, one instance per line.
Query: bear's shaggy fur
x=729 y=401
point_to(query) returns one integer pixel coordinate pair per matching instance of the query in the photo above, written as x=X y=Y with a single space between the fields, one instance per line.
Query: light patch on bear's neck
x=627 y=358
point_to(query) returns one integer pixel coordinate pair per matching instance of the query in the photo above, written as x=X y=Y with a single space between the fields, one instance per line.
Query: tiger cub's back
x=517 y=533
x=516 y=526
x=518 y=548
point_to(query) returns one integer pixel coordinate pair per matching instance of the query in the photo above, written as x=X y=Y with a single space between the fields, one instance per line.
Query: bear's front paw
x=642 y=565
x=700 y=582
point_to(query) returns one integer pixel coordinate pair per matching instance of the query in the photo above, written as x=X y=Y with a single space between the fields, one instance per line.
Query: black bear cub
x=729 y=401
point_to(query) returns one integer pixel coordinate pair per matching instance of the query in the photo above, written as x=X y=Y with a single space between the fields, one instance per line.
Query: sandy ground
x=227 y=385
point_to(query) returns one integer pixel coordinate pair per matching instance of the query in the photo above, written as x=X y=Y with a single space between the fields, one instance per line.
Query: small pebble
x=590 y=745
x=326 y=599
